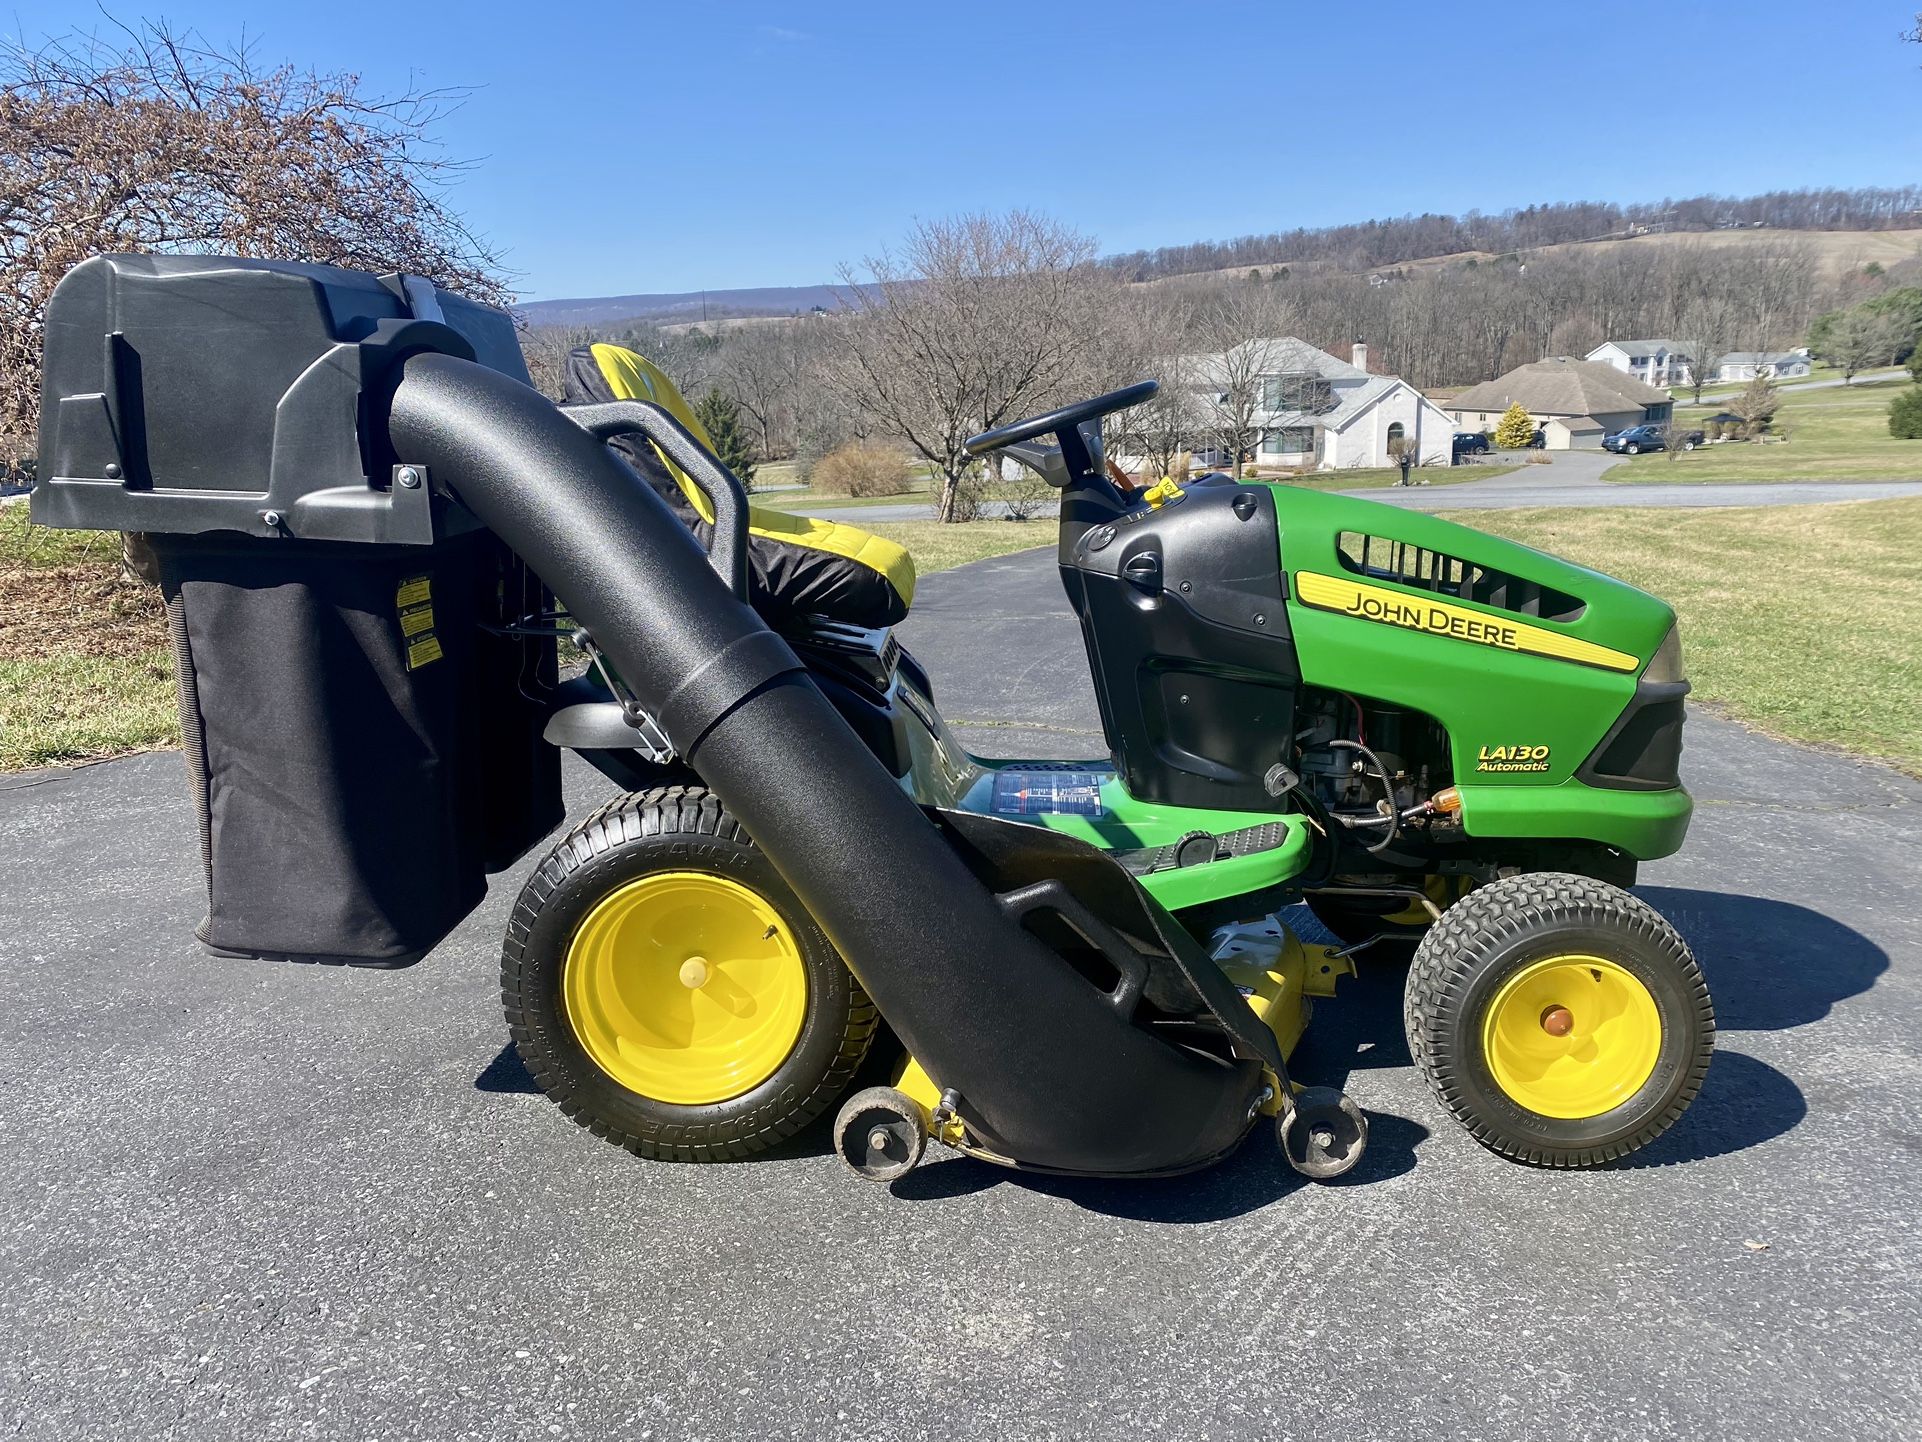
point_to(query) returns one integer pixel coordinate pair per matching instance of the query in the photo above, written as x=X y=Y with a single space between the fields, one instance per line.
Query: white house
x=1652 y=362
x=1315 y=412
x=1746 y=365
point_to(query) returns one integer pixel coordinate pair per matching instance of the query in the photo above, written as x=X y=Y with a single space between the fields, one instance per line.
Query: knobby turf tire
x=1491 y=934
x=671 y=828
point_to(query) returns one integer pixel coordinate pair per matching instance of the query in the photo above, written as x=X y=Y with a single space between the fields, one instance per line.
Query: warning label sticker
x=414 y=602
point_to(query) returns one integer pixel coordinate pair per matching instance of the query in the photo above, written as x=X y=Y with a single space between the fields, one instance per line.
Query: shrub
x=1516 y=429
x=1905 y=415
x=862 y=469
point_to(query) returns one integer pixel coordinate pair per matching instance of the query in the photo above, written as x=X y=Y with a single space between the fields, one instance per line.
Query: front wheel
x=667 y=989
x=1560 y=1019
x=1631 y=450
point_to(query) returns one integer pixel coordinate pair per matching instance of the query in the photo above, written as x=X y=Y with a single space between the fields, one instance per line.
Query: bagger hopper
x=372 y=532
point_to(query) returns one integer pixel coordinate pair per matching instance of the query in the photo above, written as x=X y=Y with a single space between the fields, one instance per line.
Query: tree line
x=807 y=384
x=1372 y=244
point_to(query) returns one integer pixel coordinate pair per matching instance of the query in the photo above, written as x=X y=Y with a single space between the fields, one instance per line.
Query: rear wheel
x=666 y=988
x=1560 y=1019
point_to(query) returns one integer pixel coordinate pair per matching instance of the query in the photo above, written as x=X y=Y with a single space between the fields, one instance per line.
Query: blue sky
x=644 y=147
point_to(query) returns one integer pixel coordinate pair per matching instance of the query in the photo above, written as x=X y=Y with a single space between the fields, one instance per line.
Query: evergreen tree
x=1905 y=415
x=1515 y=431
x=722 y=418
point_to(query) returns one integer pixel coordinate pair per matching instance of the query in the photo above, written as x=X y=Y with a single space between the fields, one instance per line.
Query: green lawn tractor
x=372 y=530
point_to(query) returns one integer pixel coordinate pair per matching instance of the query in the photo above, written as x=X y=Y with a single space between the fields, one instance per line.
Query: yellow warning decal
x=414 y=591
x=1439 y=618
x=420 y=652
x=413 y=622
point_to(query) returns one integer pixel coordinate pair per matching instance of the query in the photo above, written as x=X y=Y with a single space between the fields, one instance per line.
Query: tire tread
x=679 y=810
x=1504 y=911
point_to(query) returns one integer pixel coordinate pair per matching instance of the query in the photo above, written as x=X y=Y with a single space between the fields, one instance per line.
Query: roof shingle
x=1561 y=386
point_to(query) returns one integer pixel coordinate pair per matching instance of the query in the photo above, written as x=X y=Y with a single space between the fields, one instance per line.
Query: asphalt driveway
x=259 y=1201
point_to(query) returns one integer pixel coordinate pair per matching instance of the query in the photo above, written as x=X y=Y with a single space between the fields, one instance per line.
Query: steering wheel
x=1067 y=420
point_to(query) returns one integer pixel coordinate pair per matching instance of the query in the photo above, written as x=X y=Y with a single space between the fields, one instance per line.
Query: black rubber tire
x=1496 y=930
x=671 y=828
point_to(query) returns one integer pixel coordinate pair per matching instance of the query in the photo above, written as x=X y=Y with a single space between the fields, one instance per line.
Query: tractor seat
x=797 y=566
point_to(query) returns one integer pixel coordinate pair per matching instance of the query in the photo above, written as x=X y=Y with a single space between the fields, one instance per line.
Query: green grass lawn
x=1797 y=619
x=1715 y=395
x=936 y=547
x=85 y=666
x=1838 y=434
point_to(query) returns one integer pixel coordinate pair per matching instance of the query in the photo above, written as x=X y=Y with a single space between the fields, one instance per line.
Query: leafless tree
x=761 y=367
x=1242 y=329
x=1756 y=405
x=147 y=138
x=1861 y=338
x=545 y=349
x=977 y=321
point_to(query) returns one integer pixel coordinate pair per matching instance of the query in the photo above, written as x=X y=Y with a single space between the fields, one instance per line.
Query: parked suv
x=1637 y=439
x=1470 y=443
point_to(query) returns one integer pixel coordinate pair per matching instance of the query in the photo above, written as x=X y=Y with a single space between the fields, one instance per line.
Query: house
x=1312 y=411
x=1658 y=362
x=1746 y=365
x=1574 y=403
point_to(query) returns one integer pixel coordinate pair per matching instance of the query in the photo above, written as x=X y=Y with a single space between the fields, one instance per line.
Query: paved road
x=1571 y=478
x=255 y=1201
x=1716 y=402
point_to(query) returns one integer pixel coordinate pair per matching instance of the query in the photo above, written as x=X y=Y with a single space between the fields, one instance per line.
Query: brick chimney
x=1361 y=354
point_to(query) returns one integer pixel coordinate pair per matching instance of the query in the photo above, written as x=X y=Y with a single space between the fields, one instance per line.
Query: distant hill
x=685 y=306
x=1845 y=228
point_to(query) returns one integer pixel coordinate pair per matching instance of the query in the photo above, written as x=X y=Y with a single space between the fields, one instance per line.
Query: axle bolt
x=1557 y=1021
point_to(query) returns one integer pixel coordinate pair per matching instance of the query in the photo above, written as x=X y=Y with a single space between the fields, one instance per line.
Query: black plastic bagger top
x=351 y=487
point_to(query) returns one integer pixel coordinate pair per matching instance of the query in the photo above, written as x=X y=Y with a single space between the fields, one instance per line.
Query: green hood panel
x=1488 y=697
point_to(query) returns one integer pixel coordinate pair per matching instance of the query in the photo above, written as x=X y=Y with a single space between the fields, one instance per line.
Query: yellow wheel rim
x=686 y=988
x=1572 y=1036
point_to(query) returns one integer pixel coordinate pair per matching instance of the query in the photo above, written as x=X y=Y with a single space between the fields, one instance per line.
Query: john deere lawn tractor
x=373 y=533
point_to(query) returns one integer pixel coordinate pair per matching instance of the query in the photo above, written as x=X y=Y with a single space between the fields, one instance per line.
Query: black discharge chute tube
x=1049 y=1073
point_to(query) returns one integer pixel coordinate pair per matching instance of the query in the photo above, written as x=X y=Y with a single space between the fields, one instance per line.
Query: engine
x=1367 y=765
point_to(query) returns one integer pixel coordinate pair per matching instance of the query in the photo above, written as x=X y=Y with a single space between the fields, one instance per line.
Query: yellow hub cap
x=1572 y=1036
x=686 y=988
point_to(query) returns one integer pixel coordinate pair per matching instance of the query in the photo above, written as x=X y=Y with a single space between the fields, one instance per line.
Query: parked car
x=1470 y=443
x=1637 y=439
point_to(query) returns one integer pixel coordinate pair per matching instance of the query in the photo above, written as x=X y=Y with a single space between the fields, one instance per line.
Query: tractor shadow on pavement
x=1256 y=1176
x=1771 y=965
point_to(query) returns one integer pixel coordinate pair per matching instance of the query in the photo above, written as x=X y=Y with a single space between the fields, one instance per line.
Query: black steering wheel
x=1066 y=421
